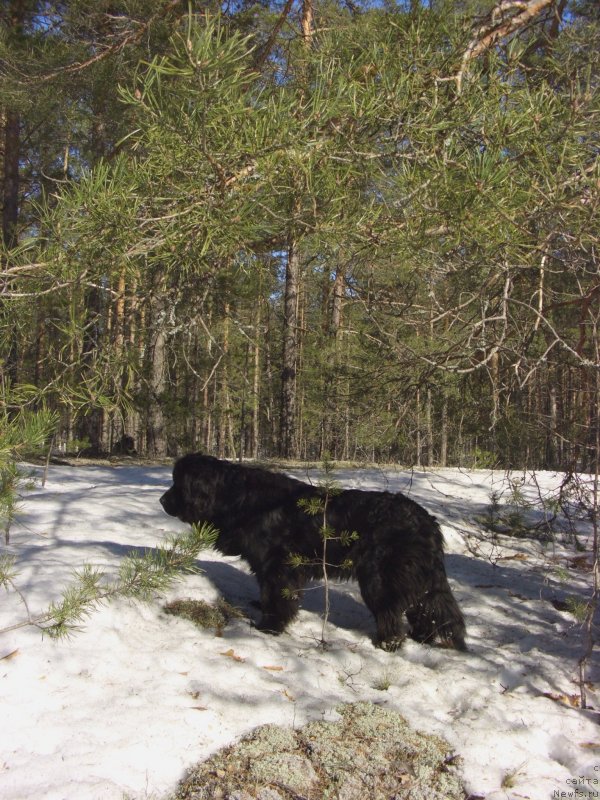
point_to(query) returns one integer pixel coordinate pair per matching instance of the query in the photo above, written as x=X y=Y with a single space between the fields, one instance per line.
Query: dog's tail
x=437 y=614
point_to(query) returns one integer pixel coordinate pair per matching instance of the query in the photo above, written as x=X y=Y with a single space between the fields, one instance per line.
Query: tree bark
x=156 y=434
x=225 y=434
x=11 y=136
x=443 y=461
x=256 y=385
x=429 y=427
x=307 y=22
x=10 y=189
x=501 y=22
x=287 y=439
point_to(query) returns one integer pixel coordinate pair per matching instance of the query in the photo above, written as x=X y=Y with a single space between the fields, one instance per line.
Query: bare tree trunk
x=119 y=314
x=156 y=434
x=287 y=440
x=553 y=440
x=207 y=421
x=40 y=347
x=307 y=22
x=429 y=427
x=90 y=426
x=256 y=385
x=270 y=401
x=288 y=433
x=333 y=421
x=10 y=212
x=498 y=26
x=444 y=434
x=10 y=189
x=135 y=339
x=336 y=307
x=418 y=442
x=226 y=438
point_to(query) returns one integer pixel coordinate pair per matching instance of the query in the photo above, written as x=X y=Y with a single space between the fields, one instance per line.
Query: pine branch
x=265 y=50
x=130 y=38
x=499 y=24
x=139 y=578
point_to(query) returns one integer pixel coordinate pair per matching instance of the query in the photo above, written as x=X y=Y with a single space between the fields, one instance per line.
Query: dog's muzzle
x=166 y=502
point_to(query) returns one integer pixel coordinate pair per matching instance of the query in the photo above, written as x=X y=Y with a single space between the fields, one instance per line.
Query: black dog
x=397 y=555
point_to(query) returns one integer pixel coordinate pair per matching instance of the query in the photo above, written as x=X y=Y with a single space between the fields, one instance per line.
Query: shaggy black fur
x=398 y=557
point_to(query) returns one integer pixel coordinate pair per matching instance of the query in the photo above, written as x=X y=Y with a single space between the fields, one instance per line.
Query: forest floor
x=140 y=698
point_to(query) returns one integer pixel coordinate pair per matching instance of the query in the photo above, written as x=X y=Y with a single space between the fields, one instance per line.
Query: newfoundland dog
x=384 y=540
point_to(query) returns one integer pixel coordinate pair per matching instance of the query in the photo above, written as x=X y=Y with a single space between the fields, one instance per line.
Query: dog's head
x=194 y=495
x=206 y=489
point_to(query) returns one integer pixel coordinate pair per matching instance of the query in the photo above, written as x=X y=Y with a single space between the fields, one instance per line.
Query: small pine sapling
x=315 y=506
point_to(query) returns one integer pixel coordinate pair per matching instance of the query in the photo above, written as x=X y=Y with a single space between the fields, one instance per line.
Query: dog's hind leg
x=388 y=609
x=390 y=630
x=437 y=615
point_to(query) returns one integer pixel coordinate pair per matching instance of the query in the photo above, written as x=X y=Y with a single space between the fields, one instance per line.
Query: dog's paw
x=392 y=644
x=268 y=627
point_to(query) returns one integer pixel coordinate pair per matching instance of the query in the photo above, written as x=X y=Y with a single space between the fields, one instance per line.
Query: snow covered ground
x=125 y=706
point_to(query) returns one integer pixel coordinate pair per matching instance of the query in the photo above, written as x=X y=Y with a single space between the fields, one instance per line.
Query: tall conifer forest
x=365 y=231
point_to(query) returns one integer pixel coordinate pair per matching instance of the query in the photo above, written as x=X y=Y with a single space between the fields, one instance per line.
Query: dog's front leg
x=280 y=593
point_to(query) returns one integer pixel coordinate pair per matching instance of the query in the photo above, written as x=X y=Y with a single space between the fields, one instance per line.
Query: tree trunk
x=429 y=427
x=10 y=190
x=307 y=22
x=553 y=439
x=287 y=439
x=89 y=427
x=444 y=434
x=256 y=385
x=333 y=421
x=10 y=212
x=418 y=442
x=156 y=434
x=226 y=437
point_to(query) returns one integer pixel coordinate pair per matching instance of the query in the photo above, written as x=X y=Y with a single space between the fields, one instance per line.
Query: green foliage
x=482 y=459
x=311 y=505
x=8 y=571
x=25 y=432
x=382 y=683
x=22 y=433
x=139 y=577
x=457 y=228
x=317 y=505
x=545 y=515
x=578 y=607
x=9 y=477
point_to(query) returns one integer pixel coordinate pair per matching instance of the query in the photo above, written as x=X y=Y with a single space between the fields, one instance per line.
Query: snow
x=127 y=704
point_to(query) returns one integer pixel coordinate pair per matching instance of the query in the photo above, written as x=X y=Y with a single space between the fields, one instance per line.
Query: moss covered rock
x=370 y=752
